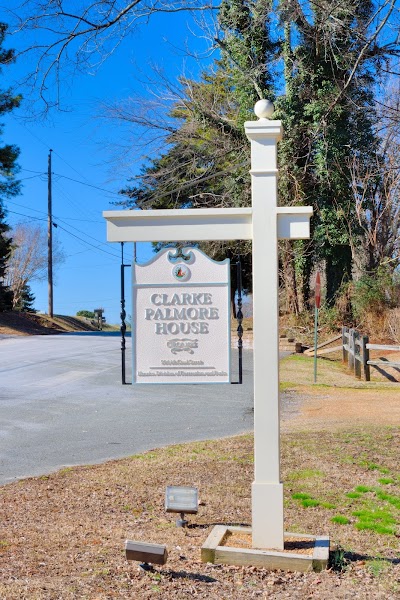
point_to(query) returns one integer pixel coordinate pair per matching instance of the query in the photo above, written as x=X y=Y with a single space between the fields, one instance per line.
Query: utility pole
x=49 y=238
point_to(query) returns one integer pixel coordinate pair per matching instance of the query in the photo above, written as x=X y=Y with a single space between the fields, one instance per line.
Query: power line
x=27 y=216
x=31 y=177
x=89 y=185
x=58 y=219
x=70 y=233
x=67 y=163
x=84 y=233
x=78 y=207
x=88 y=243
x=55 y=216
x=30 y=171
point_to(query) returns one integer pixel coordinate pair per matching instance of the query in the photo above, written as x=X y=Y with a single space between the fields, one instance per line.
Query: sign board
x=181 y=319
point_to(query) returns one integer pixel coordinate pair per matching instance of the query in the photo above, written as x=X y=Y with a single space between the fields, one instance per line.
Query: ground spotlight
x=146 y=553
x=180 y=499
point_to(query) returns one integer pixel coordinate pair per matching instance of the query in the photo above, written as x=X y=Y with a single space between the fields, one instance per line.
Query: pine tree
x=26 y=300
x=9 y=187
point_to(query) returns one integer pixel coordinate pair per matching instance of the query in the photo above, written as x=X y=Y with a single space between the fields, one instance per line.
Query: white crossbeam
x=200 y=224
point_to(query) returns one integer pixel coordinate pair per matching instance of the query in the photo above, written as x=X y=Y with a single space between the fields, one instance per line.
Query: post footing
x=216 y=550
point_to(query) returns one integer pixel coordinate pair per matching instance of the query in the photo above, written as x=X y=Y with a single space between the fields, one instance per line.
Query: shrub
x=85 y=313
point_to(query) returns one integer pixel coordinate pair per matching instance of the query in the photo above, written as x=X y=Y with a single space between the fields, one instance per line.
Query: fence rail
x=356 y=347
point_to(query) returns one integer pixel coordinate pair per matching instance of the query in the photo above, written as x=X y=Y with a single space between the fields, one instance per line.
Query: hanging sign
x=181 y=319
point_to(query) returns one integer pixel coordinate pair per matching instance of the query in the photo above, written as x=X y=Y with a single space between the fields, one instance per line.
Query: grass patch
x=310 y=502
x=353 y=495
x=377 y=520
x=340 y=519
x=394 y=500
x=306 y=500
x=377 y=527
x=363 y=489
x=386 y=480
x=377 y=567
x=304 y=474
x=300 y=496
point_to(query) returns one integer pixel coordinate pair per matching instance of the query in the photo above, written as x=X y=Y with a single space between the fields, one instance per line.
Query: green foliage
x=325 y=129
x=310 y=502
x=9 y=187
x=373 y=293
x=338 y=561
x=329 y=118
x=390 y=498
x=26 y=300
x=305 y=499
x=85 y=313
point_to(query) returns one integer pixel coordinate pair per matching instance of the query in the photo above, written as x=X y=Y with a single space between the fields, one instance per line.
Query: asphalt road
x=62 y=403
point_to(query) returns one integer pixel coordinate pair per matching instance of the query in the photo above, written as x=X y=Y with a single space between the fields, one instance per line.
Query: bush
x=373 y=293
x=85 y=313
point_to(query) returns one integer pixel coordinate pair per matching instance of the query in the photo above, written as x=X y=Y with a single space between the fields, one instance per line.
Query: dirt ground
x=62 y=535
x=25 y=323
x=329 y=409
x=12 y=323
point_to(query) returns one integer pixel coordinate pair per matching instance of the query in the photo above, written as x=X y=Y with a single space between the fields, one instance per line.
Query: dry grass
x=62 y=535
x=16 y=323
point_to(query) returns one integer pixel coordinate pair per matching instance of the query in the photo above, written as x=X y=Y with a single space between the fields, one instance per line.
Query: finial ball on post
x=264 y=109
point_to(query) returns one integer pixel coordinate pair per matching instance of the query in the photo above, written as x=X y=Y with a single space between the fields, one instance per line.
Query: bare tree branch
x=68 y=35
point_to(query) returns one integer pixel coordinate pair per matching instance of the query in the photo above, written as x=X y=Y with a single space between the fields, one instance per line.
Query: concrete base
x=214 y=551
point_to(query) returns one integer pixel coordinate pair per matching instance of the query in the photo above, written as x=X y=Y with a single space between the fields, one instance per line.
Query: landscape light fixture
x=180 y=499
x=146 y=553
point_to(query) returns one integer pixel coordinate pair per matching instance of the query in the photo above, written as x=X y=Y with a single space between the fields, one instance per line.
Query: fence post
x=351 y=350
x=357 y=357
x=365 y=357
x=345 y=334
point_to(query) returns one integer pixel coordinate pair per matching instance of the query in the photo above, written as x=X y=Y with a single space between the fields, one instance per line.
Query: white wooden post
x=267 y=489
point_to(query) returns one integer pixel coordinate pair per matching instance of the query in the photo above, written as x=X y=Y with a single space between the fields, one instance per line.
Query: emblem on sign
x=182 y=345
x=181 y=272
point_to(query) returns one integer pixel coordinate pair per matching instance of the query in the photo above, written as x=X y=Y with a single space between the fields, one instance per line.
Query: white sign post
x=181 y=319
x=264 y=223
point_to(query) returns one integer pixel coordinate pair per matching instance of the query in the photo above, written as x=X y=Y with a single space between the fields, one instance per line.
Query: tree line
x=331 y=69
x=324 y=66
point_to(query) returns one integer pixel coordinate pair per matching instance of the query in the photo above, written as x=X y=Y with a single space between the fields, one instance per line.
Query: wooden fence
x=356 y=349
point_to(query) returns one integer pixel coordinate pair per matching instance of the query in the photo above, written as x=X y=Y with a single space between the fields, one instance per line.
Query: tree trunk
x=289 y=279
x=338 y=271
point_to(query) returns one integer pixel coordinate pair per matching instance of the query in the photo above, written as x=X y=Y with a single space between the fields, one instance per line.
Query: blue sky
x=82 y=147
